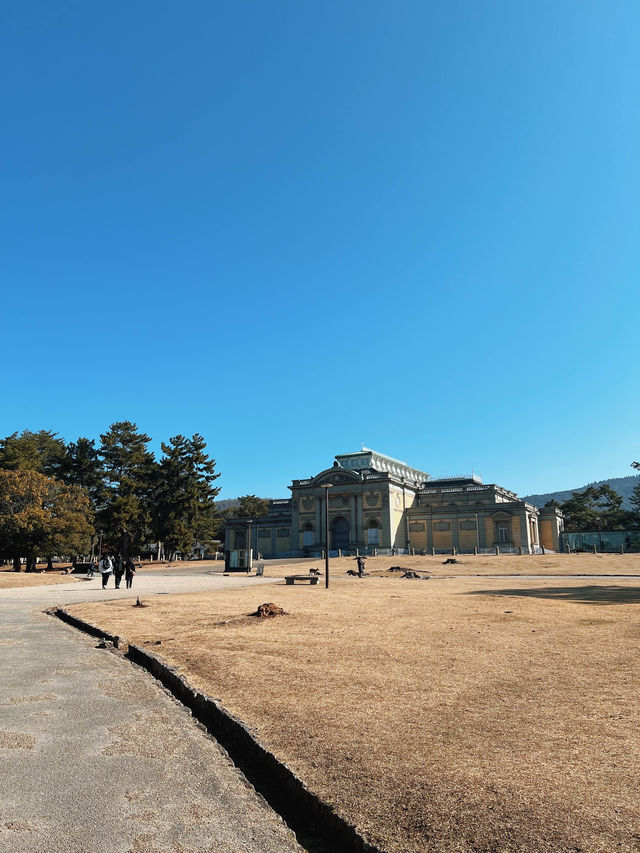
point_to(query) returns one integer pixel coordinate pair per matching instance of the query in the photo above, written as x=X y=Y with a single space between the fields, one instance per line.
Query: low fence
x=606 y=541
x=370 y=551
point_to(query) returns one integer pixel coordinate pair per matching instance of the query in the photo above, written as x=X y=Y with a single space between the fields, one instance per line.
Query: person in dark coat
x=129 y=572
x=360 y=561
x=118 y=570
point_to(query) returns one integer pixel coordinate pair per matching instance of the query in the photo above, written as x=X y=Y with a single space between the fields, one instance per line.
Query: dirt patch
x=135 y=690
x=149 y=735
x=16 y=740
x=458 y=715
x=269 y=611
x=144 y=844
x=20 y=826
x=144 y=816
x=24 y=700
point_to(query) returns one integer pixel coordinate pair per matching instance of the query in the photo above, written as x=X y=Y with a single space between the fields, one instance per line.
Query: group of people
x=117 y=566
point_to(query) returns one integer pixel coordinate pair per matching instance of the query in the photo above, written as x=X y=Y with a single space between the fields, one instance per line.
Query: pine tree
x=41 y=451
x=594 y=508
x=250 y=506
x=82 y=466
x=635 y=504
x=184 y=509
x=129 y=470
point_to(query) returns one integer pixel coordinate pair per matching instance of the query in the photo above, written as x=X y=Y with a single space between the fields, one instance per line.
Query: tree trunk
x=17 y=565
x=31 y=564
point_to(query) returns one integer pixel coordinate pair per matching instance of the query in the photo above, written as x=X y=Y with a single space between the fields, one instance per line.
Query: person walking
x=360 y=561
x=106 y=567
x=129 y=572
x=118 y=570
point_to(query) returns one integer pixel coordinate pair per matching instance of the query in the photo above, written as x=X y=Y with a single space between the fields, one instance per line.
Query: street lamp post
x=326 y=487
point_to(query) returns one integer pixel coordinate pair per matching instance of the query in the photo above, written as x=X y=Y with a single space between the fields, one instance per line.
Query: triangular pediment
x=335 y=476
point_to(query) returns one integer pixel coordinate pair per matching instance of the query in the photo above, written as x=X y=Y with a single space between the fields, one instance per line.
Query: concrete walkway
x=96 y=757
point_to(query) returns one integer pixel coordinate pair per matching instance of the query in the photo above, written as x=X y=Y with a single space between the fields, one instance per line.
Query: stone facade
x=376 y=502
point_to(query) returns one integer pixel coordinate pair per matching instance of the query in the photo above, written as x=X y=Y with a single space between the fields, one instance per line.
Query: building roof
x=366 y=459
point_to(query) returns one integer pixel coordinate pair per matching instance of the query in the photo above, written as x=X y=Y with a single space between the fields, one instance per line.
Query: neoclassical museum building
x=376 y=502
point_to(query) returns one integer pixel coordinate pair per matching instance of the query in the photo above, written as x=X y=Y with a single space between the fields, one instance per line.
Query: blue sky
x=299 y=227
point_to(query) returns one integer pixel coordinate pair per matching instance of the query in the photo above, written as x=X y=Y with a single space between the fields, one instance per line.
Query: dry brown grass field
x=10 y=579
x=455 y=714
x=469 y=565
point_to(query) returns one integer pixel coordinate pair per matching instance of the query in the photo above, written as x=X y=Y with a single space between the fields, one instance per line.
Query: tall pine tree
x=129 y=470
x=41 y=451
x=634 y=515
x=184 y=509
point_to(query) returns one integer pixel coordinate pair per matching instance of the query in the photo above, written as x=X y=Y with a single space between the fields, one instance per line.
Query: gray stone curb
x=316 y=824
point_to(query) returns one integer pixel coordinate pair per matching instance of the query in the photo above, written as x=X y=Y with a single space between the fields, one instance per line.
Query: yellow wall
x=546 y=531
x=283 y=543
x=418 y=538
x=467 y=539
x=443 y=538
x=489 y=531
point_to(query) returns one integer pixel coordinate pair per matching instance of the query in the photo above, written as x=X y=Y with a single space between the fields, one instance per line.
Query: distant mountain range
x=230 y=502
x=622 y=485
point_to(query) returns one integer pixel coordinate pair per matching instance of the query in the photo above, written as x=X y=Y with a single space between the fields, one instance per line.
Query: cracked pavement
x=96 y=757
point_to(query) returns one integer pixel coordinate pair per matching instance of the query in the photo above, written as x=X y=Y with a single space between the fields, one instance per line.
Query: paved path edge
x=317 y=825
x=87 y=627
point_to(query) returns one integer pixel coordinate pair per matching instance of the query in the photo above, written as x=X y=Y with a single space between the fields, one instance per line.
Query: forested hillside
x=622 y=485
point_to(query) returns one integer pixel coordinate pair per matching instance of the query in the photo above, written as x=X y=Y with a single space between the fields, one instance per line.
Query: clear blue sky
x=297 y=227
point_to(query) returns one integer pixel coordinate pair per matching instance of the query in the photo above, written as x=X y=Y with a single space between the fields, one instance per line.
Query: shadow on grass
x=581 y=594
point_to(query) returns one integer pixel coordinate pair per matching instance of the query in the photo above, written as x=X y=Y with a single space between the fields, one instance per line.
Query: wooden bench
x=312 y=579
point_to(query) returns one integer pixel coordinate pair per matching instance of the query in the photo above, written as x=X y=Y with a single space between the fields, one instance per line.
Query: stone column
x=319 y=537
x=360 y=535
x=455 y=529
x=482 y=530
x=355 y=539
x=525 y=531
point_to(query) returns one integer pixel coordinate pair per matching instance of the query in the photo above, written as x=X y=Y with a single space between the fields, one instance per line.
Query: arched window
x=307 y=534
x=339 y=533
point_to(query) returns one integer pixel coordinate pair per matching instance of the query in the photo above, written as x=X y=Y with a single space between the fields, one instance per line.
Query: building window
x=502 y=531
x=307 y=535
x=373 y=532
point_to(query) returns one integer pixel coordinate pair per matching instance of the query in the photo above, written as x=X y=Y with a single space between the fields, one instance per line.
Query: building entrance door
x=339 y=533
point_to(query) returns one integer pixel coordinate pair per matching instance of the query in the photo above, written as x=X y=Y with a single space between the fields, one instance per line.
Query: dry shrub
x=269 y=611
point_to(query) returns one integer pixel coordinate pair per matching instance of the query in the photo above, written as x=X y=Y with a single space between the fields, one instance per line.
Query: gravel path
x=97 y=758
